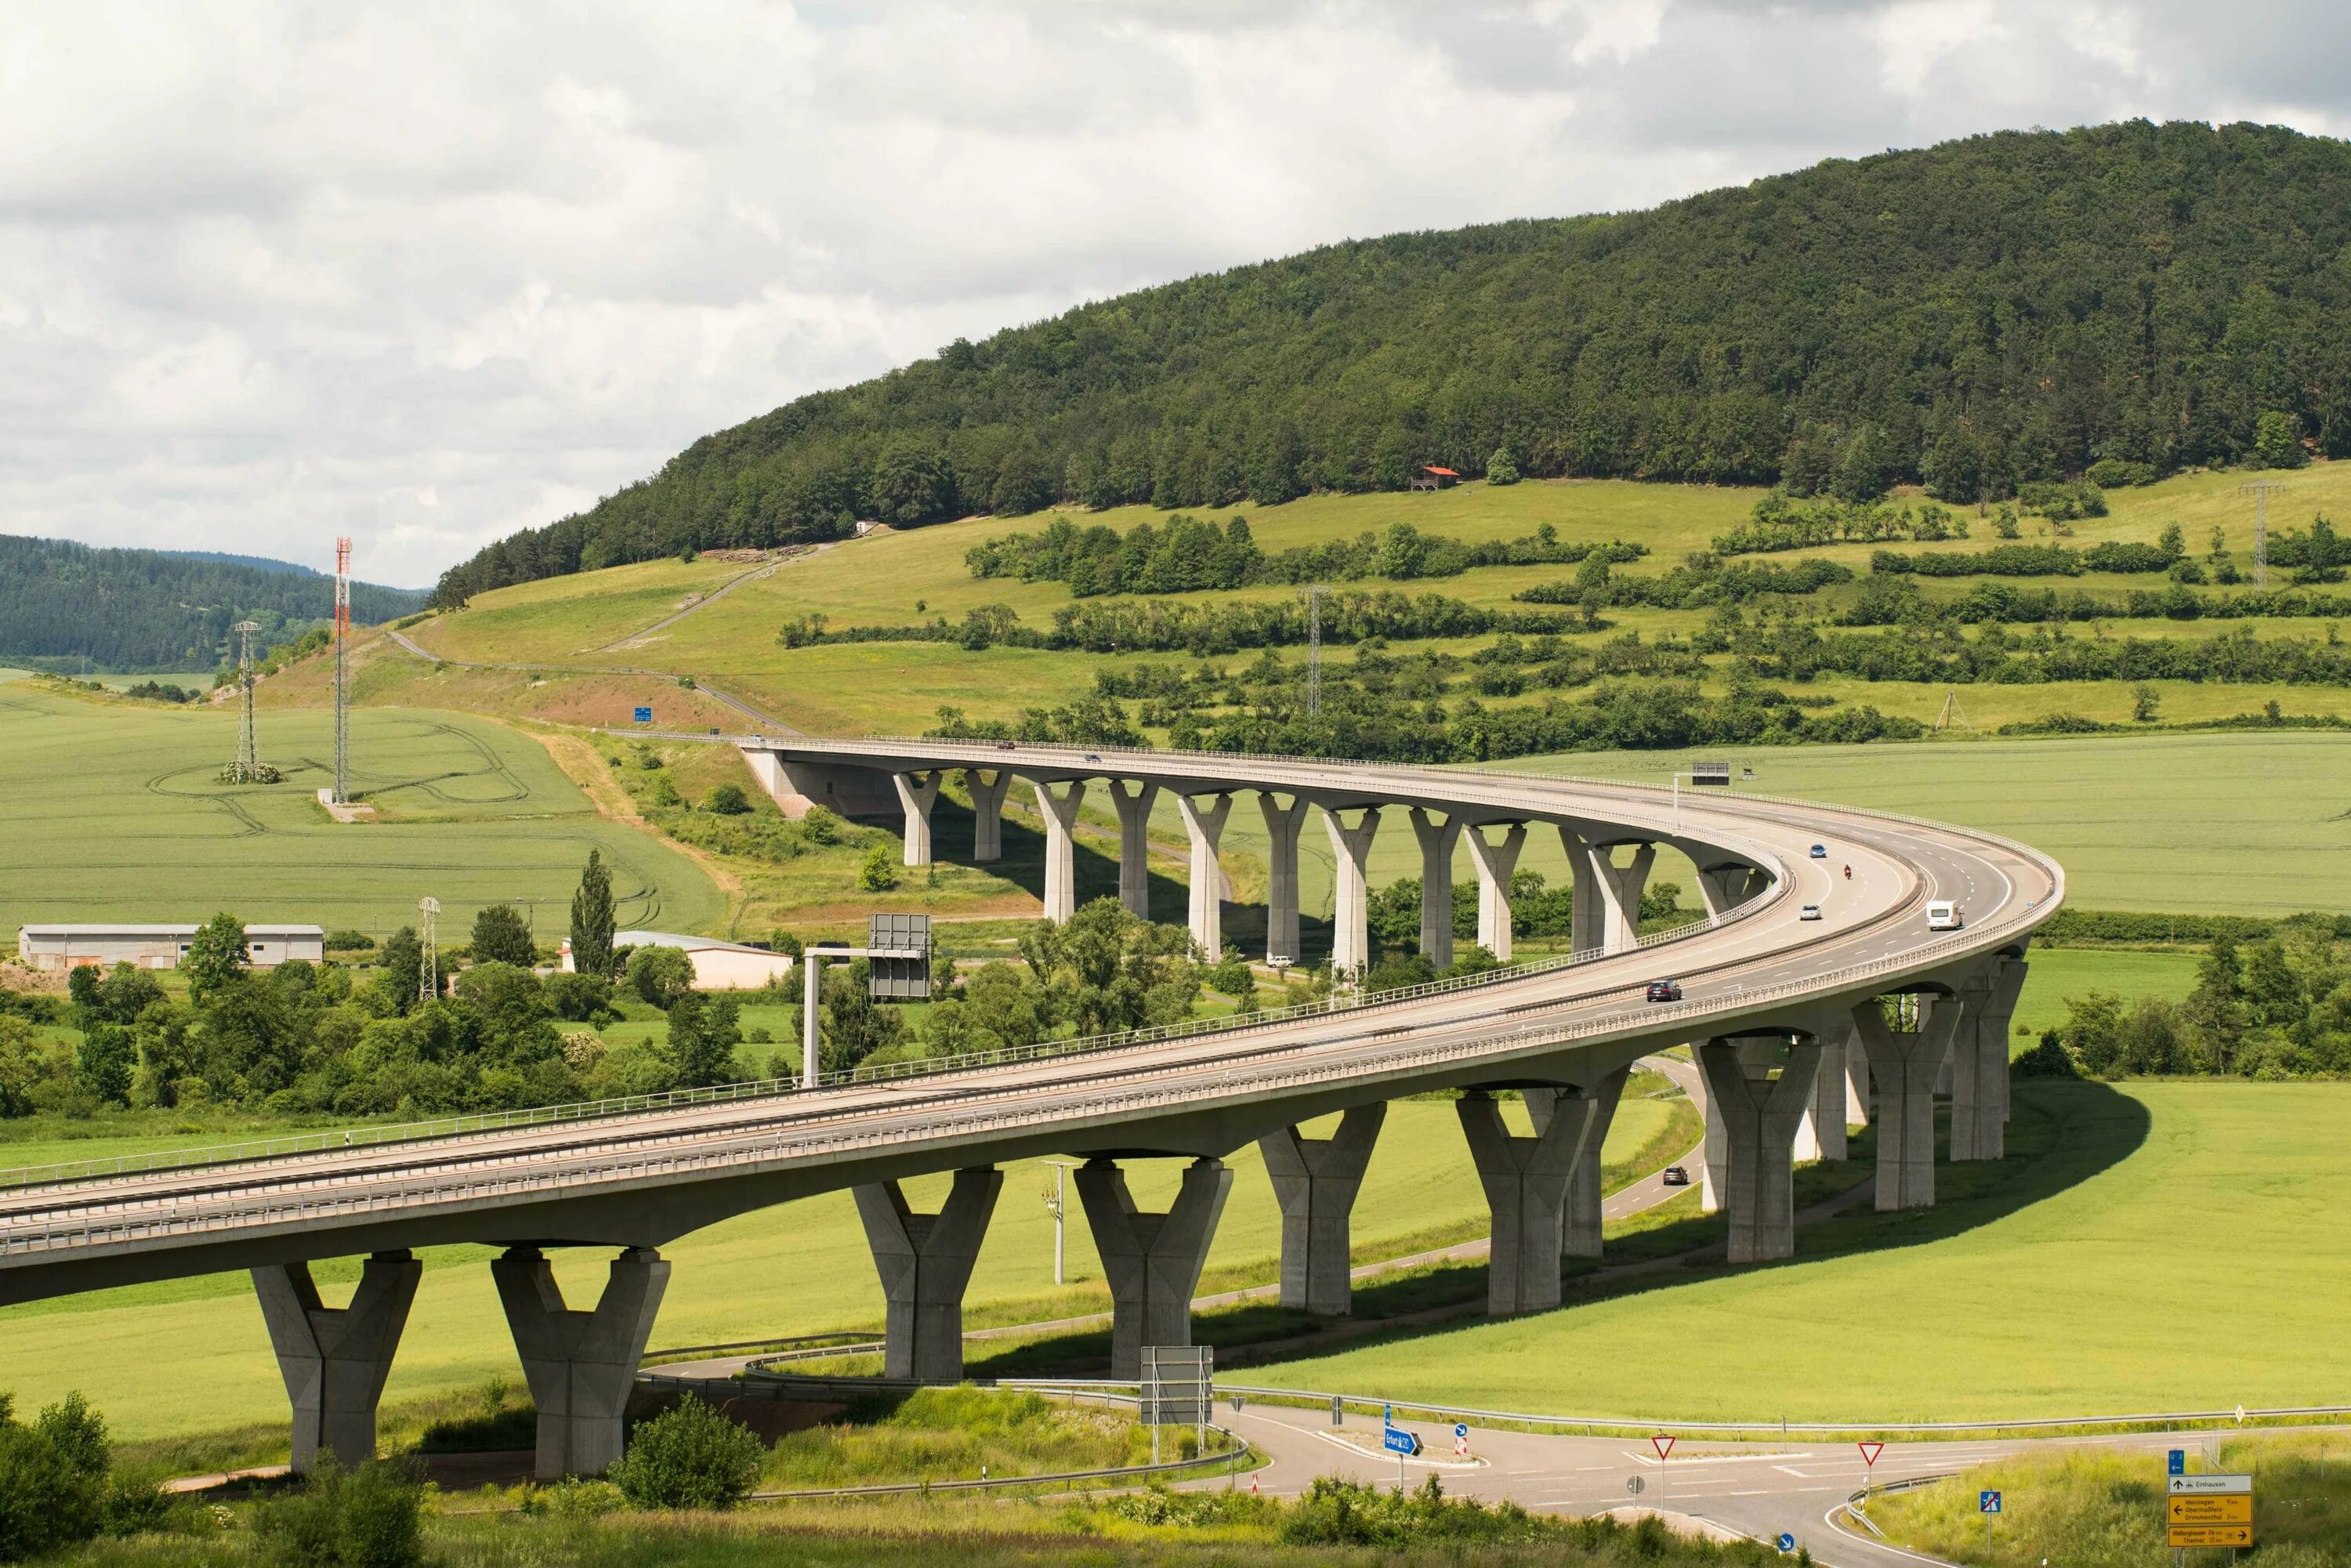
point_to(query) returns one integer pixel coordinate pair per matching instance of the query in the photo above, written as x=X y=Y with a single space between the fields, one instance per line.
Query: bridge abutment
x=987 y=813
x=1904 y=1066
x=1135 y=800
x=1580 y=1219
x=580 y=1365
x=1436 y=839
x=926 y=1263
x=1153 y=1261
x=1316 y=1180
x=1282 y=825
x=1759 y=1115
x=1205 y=825
x=334 y=1359
x=1526 y=1181
x=1060 y=814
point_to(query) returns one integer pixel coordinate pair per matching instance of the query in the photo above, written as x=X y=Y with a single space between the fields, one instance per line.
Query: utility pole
x=2260 y=490
x=343 y=695
x=1314 y=648
x=1058 y=1209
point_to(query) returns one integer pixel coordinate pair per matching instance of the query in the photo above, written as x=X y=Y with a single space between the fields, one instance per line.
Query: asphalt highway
x=639 y=1179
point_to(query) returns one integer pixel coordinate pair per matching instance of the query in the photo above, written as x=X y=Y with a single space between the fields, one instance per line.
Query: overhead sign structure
x=1716 y=775
x=900 y=950
x=2209 y=1510
x=642 y=715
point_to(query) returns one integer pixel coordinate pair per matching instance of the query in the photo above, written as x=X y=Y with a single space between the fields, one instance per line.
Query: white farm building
x=717 y=965
x=55 y=948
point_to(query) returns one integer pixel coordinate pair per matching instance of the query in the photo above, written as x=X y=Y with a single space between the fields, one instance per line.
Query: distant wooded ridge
x=62 y=602
x=1974 y=316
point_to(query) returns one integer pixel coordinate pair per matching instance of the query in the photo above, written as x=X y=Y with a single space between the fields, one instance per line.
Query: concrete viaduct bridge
x=1782 y=1014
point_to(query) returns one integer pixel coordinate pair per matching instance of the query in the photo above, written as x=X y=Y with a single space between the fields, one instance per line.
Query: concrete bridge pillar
x=1904 y=1066
x=1980 y=1061
x=1495 y=864
x=986 y=814
x=1580 y=1220
x=579 y=1366
x=1859 y=1108
x=1282 y=825
x=1315 y=1180
x=1585 y=925
x=917 y=792
x=1060 y=847
x=924 y=1262
x=1620 y=895
x=1831 y=1112
x=1135 y=842
x=1436 y=842
x=334 y=1359
x=1526 y=1182
x=1351 y=849
x=1152 y=1260
x=1724 y=887
x=1205 y=915
x=1759 y=1116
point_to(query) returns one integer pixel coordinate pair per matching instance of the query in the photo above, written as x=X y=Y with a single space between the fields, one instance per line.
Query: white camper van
x=1942 y=914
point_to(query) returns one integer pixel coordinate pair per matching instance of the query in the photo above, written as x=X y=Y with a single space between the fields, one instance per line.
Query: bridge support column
x=1860 y=1109
x=1135 y=842
x=1580 y=1220
x=917 y=792
x=579 y=1366
x=1723 y=888
x=1152 y=1260
x=1714 y=1153
x=924 y=1262
x=1495 y=863
x=334 y=1359
x=1315 y=1180
x=1350 y=850
x=1526 y=1182
x=1759 y=1117
x=1621 y=887
x=1060 y=847
x=1586 y=925
x=1979 y=1063
x=1205 y=825
x=1904 y=1066
x=1282 y=825
x=986 y=814
x=1827 y=1114
x=1436 y=842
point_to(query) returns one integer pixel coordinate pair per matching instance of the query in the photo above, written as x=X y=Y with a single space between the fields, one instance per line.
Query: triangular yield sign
x=1869 y=1452
x=1664 y=1445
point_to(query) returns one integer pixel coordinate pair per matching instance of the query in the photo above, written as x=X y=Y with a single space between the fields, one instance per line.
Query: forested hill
x=148 y=609
x=2003 y=309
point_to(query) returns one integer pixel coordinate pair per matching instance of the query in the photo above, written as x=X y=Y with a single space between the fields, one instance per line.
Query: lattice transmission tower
x=428 y=970
x=342 y=695
x=1314 y=649
x=2260 y=490
x=247 y=767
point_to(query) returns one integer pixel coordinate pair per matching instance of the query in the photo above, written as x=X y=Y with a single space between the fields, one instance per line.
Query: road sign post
x=2209 y=1509
x=1400 y=1443
x=642 y=715
x=1988 y=1504
x=1663 y=1443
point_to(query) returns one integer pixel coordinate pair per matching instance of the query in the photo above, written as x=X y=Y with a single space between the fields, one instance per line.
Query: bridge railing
x=653 y=1154
x=250 y=1151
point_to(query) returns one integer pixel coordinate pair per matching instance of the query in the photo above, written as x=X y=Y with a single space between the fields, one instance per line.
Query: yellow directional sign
x=2226 y=1508
x=2211 y=1535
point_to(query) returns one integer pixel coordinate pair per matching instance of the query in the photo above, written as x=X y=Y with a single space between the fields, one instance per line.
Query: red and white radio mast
x=342 y=701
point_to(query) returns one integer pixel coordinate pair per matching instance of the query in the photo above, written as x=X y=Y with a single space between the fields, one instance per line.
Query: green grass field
x=116 y=811
x=2163 y=1215
x=2056 y=974
x=800 y=1268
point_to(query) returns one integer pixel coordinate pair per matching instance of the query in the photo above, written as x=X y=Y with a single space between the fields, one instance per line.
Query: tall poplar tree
x=591 y=919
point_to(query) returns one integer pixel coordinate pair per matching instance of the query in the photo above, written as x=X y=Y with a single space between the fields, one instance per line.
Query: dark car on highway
x=1663 y=991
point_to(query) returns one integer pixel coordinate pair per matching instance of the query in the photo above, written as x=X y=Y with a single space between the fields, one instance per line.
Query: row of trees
x=2273 y=1009
x=1976 y=316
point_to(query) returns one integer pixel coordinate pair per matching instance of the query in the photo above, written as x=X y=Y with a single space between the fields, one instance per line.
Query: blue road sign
x=2178 y=1464
x=1987 y=1502
x=1398 y=1441
x=643 y=716
x=1461 y=1428
x=1786 y=1542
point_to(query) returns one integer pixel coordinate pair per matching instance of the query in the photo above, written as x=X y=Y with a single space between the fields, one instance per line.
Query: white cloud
x=428 y=274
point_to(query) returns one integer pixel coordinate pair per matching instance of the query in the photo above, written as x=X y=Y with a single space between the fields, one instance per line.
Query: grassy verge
x=2094 y=1508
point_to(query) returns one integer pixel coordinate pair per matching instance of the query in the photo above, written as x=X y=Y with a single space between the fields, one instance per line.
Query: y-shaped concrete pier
x=1153 y=1260
x=925 y=1261
x=579 y=1366
x=334 y=1359
x=1315 y=1180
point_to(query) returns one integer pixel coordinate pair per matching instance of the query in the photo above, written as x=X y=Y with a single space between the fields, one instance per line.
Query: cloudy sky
x=426 y=274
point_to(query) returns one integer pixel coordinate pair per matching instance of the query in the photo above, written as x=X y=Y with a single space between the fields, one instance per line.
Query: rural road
x=764 y=720
x=714 y=595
